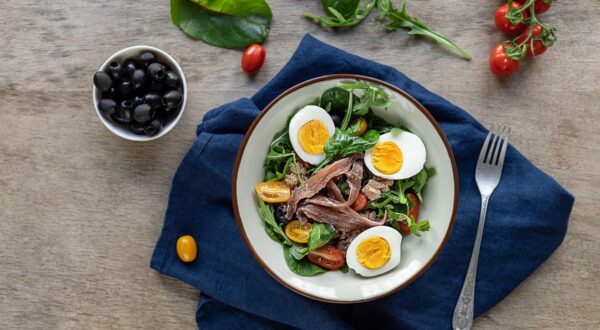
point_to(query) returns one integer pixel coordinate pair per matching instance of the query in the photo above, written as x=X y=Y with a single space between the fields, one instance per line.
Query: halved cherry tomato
x=538 y=45
x=360 y=124
x=360 y=202
x=327 y=256
x=500 y=65
x=503 y=23
x=253 y=58
x=540 y=6
x=298 y=231
x=273 y=191
x=414 y=212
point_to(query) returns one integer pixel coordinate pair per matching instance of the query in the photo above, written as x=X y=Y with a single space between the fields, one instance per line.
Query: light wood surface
x=81 y=209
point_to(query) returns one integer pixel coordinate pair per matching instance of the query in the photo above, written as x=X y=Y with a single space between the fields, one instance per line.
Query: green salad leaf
x=373 y=96
x=339 y=14
x=319 y=235
x=344 y=7
x=301 y=267
x=343 y=144
x=223 y=23
x=272 y=228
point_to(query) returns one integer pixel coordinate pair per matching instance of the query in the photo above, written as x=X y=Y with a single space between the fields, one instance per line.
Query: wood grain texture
x=81 y=209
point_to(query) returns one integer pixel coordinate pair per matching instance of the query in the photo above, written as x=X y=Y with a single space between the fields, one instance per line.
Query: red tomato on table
x=500 y=64
x=503 y=23
x=538 y=46
x=253 y=58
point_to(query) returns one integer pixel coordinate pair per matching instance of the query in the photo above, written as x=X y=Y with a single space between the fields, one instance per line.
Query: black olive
x=161 y=115
x=137 y=128
x=337 y=118
x=143 y=113
x=172 y=99
x=123 y=116
x=153 y=127
x=172 y=79
x=124 y=89
x=156 y=71
x=109 y=94
x=107 y=106
x=126 y=104
x=280 y=212
x=153 y=99
x=114 y=68
x=138 y=79
x=130 y=66
x=146 y=58
x=102 y=81
x=137 y=101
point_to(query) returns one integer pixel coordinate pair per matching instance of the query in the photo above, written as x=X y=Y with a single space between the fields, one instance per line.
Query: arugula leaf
x=301 y=267
x=319 y=235
x=223 y=23
x=373 y=96
x=271 y=226
x=421 y=179
x=337 y=19
x=400 y=19
x=281 y=155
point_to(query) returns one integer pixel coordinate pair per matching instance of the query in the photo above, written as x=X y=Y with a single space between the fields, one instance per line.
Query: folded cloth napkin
x=526 y=221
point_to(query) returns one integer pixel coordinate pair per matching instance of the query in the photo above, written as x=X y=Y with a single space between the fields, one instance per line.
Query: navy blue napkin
x=526 y=221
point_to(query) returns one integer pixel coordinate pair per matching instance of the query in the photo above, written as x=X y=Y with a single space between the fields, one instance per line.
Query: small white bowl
x=121 y=56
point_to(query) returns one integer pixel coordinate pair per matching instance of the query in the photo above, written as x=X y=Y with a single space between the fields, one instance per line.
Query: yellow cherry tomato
x=186 y=248
x=297 y=231
x=273 y=191
x=361 y=122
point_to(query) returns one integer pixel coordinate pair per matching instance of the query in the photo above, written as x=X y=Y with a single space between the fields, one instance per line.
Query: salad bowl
x=417 y=253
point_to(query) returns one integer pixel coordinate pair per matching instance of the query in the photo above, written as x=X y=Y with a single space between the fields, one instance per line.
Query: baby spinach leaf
x=301 y=267
x=223 y=23
x=319 y=235
x=336 y=19
x=298 y=252
x=345 y=7
x=336 y=98
x=344 y=143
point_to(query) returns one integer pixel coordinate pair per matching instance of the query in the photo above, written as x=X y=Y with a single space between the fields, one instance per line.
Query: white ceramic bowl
x=418 y=253
x=120 y=57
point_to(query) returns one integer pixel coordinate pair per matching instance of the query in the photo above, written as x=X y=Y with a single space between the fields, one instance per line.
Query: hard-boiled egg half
x=374 y=251
x=309 y=130
x=396 y=157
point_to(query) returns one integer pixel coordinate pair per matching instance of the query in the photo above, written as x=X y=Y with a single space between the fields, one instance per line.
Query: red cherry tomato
x=360 y=202
x=253 y=58
x=540 y=6
x=503 y=23
x=414 y=212
x=327 y=256
x=538 y=45
x=500 y=65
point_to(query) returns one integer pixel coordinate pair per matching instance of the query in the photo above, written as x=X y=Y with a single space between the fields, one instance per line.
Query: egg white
x=306 y=114
x=413 y=155
x=394 y=239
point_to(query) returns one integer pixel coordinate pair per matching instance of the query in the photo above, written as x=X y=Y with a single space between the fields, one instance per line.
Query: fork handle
x=463 y=312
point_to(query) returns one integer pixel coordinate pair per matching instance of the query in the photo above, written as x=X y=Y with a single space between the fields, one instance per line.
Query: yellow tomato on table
x=186 y=248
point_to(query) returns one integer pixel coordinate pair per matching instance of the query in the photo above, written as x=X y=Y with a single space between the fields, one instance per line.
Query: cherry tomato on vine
x=540 y=6
x=503 y=23
x=500 y=64
x=253 y=58
x=538 y=46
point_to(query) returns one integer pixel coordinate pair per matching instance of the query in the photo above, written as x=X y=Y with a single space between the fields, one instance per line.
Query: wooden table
x=81 y=209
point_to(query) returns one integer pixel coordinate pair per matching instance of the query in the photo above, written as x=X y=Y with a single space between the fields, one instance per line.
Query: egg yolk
x=387 y=157
x=373 y=253
x=312 y=137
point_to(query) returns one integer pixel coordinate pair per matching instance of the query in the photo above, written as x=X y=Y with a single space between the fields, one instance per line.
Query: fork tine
x=485 y=145
x=497 y=147
x=500 y=160
x=493 y=145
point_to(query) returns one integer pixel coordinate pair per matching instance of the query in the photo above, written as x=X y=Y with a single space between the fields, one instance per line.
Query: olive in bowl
x=139 y=93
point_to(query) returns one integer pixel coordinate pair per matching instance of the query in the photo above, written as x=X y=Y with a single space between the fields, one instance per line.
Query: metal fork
x=487 y=176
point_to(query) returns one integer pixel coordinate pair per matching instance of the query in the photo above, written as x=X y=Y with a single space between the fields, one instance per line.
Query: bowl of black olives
x=140 y=93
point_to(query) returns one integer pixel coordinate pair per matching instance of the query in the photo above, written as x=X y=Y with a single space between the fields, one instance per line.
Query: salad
x=342 y=186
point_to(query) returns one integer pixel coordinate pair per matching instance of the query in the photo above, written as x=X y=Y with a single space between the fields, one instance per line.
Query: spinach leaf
x=319 y=235
x=336 y=98
x=271 y=226
x=337 y=19
x=298 y=252
x=345 y=7
x=344 y=268
x=301 y=267
x=223 y=23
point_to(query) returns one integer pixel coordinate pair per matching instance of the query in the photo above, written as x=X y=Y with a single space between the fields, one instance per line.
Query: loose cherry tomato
x=538 y=45
x=273 y=191
x=540 y=6
x=327 y=256
x=186 y=248
x=503 y=23
x=298 y=231
x=500 y=65
x=414 y=212
x=253 y=58
x=360 y=202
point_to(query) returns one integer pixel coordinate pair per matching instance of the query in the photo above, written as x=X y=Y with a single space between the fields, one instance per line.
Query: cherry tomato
x=359 y=125
x=503 y=23
x=360 y=202
x=540 y=6
x=186 y=248
x=414 y=212
x=298 y=231
x=500 y=65
x=273 y=191
x=538 y=45
x=253 y=58
x=327 y=256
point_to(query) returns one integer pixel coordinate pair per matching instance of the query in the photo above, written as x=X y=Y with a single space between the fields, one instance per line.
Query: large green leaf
x=223 y=23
